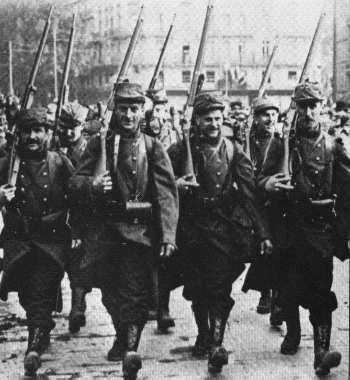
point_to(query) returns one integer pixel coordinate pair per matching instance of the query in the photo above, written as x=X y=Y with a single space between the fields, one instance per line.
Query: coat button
x=45 y=199
x=218 y=173
x=24 y=202
x=23 y=189
x=217 y=186
x=135 y=221
x=45 y=173
x=133 y=172
x=318 y=158
x=316 y=171
x=134 y=158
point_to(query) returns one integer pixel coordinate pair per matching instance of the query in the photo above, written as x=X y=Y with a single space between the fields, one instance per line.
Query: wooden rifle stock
x=161 y=57
x=27 y=101
x=101 y=166
x=290 y=124
x=261 y=91
x=196 y=85
x=64 y=91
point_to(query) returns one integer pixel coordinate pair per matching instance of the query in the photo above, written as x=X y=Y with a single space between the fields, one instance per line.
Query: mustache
x=32 y=141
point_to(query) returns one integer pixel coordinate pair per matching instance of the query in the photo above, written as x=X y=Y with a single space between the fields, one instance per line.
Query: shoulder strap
x=150 y=146
x=229 y=150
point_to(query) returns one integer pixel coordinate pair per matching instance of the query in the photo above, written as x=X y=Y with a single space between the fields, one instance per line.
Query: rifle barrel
x=200 y=56
x=161 y=56
x=268 y=70
x=30 y=86
x=131 y=48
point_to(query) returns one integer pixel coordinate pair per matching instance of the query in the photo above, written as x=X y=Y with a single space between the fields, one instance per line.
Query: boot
x=218 y=356
x=115 y=354
x=164 y=319
x=154 y=296
x=324 y=359
x=77 y=314
x=276 y=315
x=292 y=339
x=201 y=316
x=132 y=360
x=264 y=304
x=38 y=342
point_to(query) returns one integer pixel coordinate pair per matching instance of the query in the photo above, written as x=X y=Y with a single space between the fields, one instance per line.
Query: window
x=210 y=76
x=186 y=76
x=185 y=54
x=292 y=75
x=266 y=48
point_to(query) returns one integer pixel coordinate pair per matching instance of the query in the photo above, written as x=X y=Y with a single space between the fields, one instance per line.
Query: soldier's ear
x=196 y=119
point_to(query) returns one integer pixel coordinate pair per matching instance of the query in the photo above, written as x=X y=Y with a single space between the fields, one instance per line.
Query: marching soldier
x=135 y=211
x=306 y=222
x=73 y=143
x=214 y=225
x=157 y=124
x=263 y=131
x=35 y=235
x=166 y=278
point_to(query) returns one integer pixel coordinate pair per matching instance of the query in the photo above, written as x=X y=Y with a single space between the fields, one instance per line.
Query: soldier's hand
x=186 y=182
x=103 y=183
x=7 y=193
x=266 y=247
x=185 y=123
x=166 y=250
x=76 y=243
x=278 y=182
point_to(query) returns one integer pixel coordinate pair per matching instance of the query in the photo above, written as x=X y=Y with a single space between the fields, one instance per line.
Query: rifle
x=27 y=101
x=161 y=57
x=261 y=91
x=64 y=91
x=196 y=85
x=101 y=166
x=291 y=113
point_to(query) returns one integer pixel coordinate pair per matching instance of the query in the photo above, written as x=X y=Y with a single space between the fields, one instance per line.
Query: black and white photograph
x=174 y=189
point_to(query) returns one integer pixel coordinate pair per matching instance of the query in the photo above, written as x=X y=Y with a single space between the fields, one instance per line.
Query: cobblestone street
x=253 y=345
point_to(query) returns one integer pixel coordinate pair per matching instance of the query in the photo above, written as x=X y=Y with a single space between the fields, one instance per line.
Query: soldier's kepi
x=308 y=222
x=134 y=212
x=35 y=235
x=213 y=245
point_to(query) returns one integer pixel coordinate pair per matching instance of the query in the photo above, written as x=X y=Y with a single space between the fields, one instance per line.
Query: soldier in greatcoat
x=265 y=113
x=218 y=214
x=134 y=212
x=309 y=224
x=72 y=143
x=35 y=237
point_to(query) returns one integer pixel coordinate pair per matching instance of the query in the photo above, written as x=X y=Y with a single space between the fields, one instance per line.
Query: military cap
x=307 y=91
x=262 y=104
x=207 y=102
x=126 y=92
x=157 y=96
x=32 y=117
x=72 y=114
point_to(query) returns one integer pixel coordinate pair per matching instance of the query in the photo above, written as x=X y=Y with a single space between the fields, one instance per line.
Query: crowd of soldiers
x=144 y=226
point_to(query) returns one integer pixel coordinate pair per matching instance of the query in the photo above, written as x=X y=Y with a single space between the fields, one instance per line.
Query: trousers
x=39 y=288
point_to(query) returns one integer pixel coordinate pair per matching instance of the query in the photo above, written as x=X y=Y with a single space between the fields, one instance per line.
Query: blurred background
x=241 y=38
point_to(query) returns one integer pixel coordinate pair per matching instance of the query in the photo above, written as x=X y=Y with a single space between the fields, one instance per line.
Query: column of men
x=145 y=226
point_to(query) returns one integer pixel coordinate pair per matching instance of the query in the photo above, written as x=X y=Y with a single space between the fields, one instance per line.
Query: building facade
x=240 y=41
x=342 y=52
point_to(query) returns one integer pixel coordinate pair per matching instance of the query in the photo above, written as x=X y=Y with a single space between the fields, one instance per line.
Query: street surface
x=253 y=345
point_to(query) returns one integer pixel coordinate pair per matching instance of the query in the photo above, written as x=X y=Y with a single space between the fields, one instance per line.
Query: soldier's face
x=210 y=124
x=71 y=135
x=34 y=138
x=266 y=120
x=158 y=118
x=128 y=115
x=309 y=115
